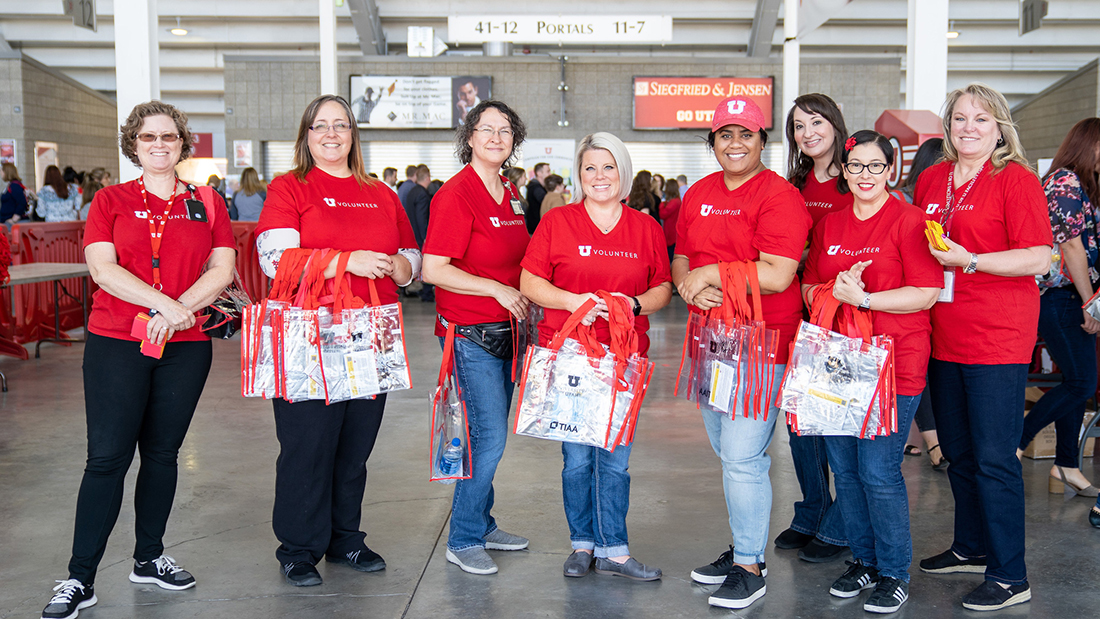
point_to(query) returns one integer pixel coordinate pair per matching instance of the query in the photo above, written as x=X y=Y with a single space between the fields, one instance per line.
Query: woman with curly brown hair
x=152 y=249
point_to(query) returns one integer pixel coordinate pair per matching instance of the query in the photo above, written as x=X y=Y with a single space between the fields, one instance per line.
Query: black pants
x=133 y=401
x=321 y=475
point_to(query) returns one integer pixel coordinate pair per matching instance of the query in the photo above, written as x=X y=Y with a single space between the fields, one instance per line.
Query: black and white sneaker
x=365 y=560
x=740 y=589
x=857 y=578
x=301 y=574
x=71 y=596
x=715 y=573
x=164 y=573
x=888 y=596
x=991 y=596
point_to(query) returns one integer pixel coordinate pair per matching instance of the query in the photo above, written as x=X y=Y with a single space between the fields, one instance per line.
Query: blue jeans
x=979 y=417
x=742 y=444
x=1074 y=351
x=816 y=514
x=486 y=384
x=595 y=488
x=868 y=473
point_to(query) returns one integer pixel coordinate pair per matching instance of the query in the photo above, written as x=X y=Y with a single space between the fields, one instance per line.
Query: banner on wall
x=203 y=145
x=242 y=153
x=45 y=155
x=558 y=153
x=7 y=152
x=405 y=102
x=689 y=102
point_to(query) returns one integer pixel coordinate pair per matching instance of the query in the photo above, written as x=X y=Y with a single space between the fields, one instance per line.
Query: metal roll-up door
x=278 y=158
x=438 y=156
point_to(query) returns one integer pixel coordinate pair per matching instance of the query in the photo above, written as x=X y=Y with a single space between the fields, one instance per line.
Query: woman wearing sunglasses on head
x=878 y=254
x=152 y=250
x=328 y=202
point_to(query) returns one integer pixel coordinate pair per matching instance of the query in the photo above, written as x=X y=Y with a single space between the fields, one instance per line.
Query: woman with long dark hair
x=815 y=134
x=58 y=200
x=1070 y=333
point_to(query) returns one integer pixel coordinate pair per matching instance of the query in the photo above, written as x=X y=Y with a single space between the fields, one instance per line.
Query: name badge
x=517 y=207
x=947 y=293
x=196 y=210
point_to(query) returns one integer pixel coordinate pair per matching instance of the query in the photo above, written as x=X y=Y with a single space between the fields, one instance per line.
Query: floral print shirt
x=1072 y=214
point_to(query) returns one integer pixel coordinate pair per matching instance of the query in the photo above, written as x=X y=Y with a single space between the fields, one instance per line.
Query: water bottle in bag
x=450 y=463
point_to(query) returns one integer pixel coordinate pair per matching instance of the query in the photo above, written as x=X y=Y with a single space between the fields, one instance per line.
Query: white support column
x=926 y=55
x=791 y=66
x=328 y=46
x=137 y=63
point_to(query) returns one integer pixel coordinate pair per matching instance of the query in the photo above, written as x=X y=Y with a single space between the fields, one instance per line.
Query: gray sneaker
x=473 y=560
x=502 y=540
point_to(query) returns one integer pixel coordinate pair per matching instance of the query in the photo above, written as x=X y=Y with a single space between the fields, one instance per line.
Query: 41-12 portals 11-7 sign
x=594 y=29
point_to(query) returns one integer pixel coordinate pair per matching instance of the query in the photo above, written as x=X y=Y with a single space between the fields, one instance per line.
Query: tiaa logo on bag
x=586 y=250
x=705 y=209
x=568 y=427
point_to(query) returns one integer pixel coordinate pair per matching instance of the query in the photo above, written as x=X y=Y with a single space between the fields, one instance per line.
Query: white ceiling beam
x=368 y=26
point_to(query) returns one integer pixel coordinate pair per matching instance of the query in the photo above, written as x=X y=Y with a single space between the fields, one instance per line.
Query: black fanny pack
x=494 y=337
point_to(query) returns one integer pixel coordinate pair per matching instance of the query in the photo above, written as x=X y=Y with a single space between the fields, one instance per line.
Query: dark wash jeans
x=817 y=513
x=979 y=417
x=1074 y=351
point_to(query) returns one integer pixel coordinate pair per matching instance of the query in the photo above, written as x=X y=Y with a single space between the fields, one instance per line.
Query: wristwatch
x=637 y=306
x=866 y=304
x=973 y=266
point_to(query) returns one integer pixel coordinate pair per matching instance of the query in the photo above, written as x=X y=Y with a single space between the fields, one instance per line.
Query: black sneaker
x=716 y=572
x=818 y=551
x=791 y=539
x=991 y=596
x=72 y=595
x=740 y=589
x=164 y=573
x=888 y=596
x=301 y=574
x=365 y=560
x=857 y=578
x=947 y=563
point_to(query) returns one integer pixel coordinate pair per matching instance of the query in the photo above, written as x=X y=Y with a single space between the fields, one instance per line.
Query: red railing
x=33 y=305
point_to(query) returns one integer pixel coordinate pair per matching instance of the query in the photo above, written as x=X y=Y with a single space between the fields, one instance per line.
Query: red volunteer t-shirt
x=766 y=214
x=993 y=319
x=823 y=198
x=118 y=215
x=570 y=252
x=893 y=240
x=669 y=211
x=480 y=236
x=339 y=213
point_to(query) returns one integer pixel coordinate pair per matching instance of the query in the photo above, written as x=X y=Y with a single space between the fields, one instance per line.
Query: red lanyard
x=949 y=209
x=156 y=229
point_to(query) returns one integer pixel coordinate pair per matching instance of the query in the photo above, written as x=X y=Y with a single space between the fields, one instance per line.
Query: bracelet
x=973 y=266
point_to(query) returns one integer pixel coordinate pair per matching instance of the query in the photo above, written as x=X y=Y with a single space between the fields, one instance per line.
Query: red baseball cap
x=738 y=111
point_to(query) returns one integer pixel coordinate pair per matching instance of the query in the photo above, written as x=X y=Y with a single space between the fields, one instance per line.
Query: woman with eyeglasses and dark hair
x=477 y=236
x=328 y=202
x=998 y=238
x=877 y=253
x=151 y=252
x=815 y=134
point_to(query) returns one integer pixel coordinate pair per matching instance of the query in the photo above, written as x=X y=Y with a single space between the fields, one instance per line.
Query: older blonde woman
x=994 y=214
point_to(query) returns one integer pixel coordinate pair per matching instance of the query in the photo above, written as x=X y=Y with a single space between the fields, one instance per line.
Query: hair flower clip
x=850 y=144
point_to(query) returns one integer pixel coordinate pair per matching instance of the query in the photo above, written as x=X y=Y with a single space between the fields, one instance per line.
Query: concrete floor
x=221 y=530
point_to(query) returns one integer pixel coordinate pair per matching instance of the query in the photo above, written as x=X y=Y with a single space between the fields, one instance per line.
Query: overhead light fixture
x=179 y=30
x=951 y=32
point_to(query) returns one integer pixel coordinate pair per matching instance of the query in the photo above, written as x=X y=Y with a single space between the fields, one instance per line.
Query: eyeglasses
x=488 y=132
x=167 y=138
x=875 y=168
x=337 y=127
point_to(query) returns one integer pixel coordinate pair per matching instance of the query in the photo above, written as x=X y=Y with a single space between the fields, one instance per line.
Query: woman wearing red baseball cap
x=744 y=212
